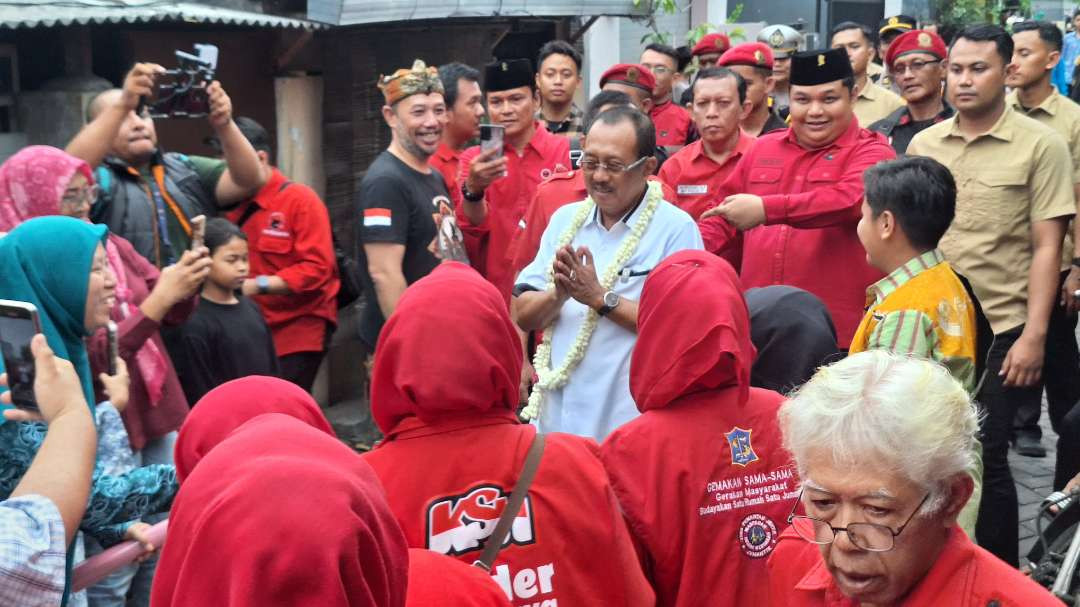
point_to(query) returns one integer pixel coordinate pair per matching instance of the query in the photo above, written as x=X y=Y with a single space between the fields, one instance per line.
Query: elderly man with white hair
x=884 y=447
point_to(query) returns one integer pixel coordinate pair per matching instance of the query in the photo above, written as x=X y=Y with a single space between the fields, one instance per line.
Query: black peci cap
x=810 y=68
x=509 y=74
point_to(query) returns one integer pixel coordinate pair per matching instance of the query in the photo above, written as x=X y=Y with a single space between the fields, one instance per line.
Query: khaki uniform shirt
x=1062 y=115
x=1017 y=173
x=875 y=103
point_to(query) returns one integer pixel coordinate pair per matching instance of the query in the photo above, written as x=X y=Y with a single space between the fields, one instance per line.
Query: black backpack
x=348 y=270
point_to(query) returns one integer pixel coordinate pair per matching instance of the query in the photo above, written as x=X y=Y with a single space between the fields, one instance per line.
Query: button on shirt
x=597 y=398
x=1017 y=173
x=33 y=554
x=875 y=103
x=813 y=200
x=672 y=124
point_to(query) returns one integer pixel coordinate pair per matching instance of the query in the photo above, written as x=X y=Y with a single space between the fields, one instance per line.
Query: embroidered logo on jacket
x=742 y=452
x=457 y=524
x=757 y=535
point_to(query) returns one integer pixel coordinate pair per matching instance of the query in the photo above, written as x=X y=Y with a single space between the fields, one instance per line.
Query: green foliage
x=669 y=7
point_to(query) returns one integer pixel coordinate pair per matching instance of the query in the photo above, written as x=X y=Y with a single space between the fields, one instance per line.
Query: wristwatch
x=611 y=301
x=262 y=283
x=469 y=195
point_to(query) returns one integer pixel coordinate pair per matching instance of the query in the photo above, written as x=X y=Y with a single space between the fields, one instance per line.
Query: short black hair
x=919 y=191
x=219 y=231
x=599 y=100
x=867 y=32
x=985 y=32
x=451 y=74
x=680 y=60
x=719 y=73
x=1048 y=32
x=644 y=129
x=558 y=47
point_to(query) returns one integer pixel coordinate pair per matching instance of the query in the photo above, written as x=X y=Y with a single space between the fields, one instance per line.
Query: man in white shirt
x=582 y=288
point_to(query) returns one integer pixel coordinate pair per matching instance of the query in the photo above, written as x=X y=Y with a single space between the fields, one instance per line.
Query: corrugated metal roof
x=353 y=12
x=37 y=13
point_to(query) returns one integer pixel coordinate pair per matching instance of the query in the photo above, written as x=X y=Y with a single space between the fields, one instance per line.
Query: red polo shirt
x=813 y=201
x=289 y=237
x=964 y=575
x=447 y=161
x=508 y=199
x=672 y=124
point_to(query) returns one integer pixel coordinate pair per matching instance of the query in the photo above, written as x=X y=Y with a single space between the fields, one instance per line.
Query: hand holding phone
x=19 y=324
x=198 y=232
x=56 y=386
x=491 y=138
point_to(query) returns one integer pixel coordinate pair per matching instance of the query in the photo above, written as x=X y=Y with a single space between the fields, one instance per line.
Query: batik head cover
x=420 y=80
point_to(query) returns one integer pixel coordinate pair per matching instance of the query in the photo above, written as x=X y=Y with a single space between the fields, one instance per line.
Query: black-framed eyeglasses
x=590 y=165
x=871 y=537
x=914 y=66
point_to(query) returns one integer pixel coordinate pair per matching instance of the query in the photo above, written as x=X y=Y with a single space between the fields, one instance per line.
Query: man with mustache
x=916 y=61
x=796 y=195
x=557 y=78
x=407 y=223
x=507 y=178
x=1015 y=197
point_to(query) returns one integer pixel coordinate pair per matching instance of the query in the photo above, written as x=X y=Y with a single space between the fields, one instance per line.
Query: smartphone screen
x=114 y=346
x=18 y=325
x=491 y=137
x=198 y=231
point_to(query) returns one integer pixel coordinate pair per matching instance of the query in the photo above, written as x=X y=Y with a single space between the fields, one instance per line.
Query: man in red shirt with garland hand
x=797 y=195
x=530 y=155
x=295 y=271
x=672 y=120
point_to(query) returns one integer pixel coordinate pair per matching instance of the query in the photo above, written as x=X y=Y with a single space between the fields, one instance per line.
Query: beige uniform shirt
x=875 y=103
x=1017 y=173
x=1063 y=116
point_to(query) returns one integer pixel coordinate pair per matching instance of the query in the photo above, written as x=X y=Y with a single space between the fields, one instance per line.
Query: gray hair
x=906 y=415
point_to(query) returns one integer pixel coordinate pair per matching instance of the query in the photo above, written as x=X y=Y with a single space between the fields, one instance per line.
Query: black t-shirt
x=903 y=134
x=219 y=343
x=400 y=205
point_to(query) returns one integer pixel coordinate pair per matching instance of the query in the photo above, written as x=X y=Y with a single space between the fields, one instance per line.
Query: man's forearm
x=475 y=212
x=536 y=310
x=389 y=288
x=1043 y=279
x=93 y=141
x=625 y=314
x=240 y=158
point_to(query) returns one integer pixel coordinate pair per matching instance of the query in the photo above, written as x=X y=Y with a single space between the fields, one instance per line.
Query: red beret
x=711 y=43
x=754 y=54
x=630 y=74
x=916 y=41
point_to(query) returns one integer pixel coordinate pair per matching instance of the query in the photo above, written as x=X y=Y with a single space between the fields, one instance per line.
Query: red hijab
x=280 y=513
x=437 y=579
x=449 y=347
x=685 y=347
x=227 y=407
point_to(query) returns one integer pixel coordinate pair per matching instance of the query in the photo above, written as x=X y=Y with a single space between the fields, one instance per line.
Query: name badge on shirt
x=692 y=190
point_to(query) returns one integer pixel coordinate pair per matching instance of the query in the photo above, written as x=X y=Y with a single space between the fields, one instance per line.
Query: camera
x=181 y=92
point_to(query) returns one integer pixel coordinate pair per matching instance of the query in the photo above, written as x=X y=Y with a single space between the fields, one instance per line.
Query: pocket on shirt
x=997 y=197
x=278 y=246
x=765 y=180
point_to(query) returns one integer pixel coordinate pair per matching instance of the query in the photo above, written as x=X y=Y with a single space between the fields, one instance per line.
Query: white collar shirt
x=596 y=399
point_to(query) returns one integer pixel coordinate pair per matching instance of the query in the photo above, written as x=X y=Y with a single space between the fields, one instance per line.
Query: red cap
x=715 y=43
x=916 y=41
x=630 y=74
x=754 y=54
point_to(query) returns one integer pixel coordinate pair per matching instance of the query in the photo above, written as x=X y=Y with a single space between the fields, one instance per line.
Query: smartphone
x=19 y=323
x=114 y=346
x=198 y=232
x=491 y=138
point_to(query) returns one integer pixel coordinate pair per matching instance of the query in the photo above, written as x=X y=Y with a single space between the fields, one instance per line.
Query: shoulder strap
x=250 y=210
x=513 y=505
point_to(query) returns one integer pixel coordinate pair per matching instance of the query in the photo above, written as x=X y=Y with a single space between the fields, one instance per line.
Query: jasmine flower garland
x=554 y=378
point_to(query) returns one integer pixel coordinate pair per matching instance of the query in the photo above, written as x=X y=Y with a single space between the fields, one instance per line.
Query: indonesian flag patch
x=376 y=217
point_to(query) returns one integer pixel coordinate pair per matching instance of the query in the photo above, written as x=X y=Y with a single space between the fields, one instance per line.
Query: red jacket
x=566 y=187
x=454 y=450
x=812 y=205
x=289 y=237
x=705 y=442
x=672 y=124
x=964 y=575
x=508 y=199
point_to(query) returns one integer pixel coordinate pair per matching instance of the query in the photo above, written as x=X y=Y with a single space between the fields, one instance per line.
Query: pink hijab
x=33 y=181
x=32 y=184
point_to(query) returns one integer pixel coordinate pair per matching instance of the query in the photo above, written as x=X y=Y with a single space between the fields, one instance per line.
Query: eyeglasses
x=914 y=66
x=871 y=537
x=659 y=70
x=77 y=198
x=590 y=165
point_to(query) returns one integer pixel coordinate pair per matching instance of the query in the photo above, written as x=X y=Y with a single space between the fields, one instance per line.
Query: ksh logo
x=462 y=523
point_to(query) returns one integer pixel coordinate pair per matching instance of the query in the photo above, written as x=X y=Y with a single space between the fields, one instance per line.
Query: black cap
x=896 y=23
x=508 y=74
x=253 y=132
x=810 y=68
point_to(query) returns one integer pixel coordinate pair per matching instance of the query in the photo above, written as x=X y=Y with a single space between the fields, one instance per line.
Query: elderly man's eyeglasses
x=914 y=66
x=77 y=198
x=590 y=165
x=871 y=537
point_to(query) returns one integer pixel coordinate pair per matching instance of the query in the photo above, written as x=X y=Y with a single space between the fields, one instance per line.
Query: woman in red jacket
x=706 y=441
x=444 y=390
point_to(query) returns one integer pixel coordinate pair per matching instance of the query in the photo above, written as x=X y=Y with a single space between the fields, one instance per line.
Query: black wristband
x=469 y=195
x=1076 y=261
